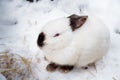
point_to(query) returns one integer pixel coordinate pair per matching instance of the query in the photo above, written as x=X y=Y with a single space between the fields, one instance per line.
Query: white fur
x=80 y=47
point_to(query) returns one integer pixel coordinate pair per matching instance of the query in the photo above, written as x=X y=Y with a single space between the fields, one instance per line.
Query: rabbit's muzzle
x=41 y=39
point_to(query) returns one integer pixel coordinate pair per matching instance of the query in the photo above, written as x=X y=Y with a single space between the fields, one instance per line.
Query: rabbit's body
x=81 y=47
x=92 y=41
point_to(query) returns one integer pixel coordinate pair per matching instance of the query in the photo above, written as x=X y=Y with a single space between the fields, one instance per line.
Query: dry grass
x=13 y=66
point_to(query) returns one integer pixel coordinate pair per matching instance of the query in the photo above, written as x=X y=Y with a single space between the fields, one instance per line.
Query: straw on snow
x=13 y=66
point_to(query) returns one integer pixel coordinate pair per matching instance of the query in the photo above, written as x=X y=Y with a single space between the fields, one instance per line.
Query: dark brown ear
x=77 y=21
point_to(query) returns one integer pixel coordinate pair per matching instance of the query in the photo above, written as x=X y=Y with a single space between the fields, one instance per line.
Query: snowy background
x=21 y=22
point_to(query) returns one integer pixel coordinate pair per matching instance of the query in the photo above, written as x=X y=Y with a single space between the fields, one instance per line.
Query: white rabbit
x=74 y=41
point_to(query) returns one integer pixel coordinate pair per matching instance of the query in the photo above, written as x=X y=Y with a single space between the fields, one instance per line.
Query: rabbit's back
x=92 y=41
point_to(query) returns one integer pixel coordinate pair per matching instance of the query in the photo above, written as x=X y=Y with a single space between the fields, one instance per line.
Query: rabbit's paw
x=51 y=67
x=65 y=68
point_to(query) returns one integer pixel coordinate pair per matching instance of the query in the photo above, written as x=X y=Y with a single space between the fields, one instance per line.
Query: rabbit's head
x=59 y=33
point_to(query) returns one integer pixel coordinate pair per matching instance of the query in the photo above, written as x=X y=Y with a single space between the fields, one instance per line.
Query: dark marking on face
x=41 y=39
x=77 y=21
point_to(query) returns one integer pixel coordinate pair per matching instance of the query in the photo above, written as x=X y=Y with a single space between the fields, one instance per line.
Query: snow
x=21 y=22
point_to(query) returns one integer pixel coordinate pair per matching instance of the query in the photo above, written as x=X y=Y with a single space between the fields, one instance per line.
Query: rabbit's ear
x=77 y=21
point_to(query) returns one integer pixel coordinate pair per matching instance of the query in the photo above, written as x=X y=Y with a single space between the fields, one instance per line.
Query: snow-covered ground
x=21 y=22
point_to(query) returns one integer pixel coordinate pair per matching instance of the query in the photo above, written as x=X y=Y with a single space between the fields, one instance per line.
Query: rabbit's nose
x=41 y=39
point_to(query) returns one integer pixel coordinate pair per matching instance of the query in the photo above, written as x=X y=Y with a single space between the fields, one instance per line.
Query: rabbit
x=73 y=41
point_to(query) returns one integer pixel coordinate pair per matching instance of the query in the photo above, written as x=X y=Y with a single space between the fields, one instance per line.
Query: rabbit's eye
x=56 y=35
